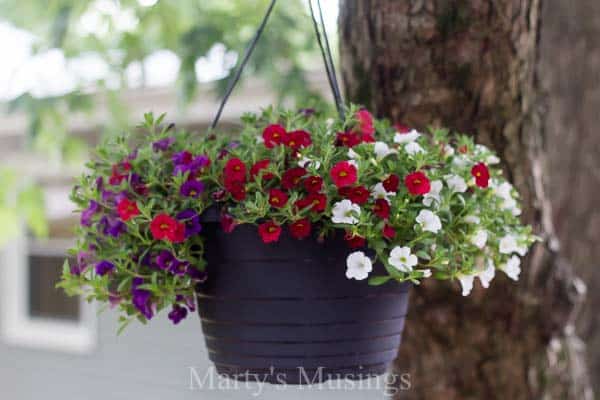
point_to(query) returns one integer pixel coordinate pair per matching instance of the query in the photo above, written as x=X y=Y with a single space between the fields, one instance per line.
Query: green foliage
x=137 y=182
x=21 y=204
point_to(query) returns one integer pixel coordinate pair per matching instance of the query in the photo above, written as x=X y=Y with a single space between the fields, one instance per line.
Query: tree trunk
x=570 y=55
x=472 y=65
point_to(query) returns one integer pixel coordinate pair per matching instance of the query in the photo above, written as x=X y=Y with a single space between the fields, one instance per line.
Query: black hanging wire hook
x=240 y=68
x=327 y=57
x=325 y=52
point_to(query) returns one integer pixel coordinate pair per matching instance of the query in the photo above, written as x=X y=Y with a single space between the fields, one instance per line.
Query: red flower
x=269 y=232
x=391 y=183
x=277 y=198
x=258 y=167
x=356 y=194
x=297 y=139
x=235 y=170
x=482 y=174
x=292 y=177
x=300 y=229
x=400 y=128
x=165 y=227
x=273 y=135
x=348 y=139
x=316 y=201
x=388 y=232
x=313 y=184
x=179 y=234
x=382 y=208
x=236 y=188
x=343 y=174
x=127 y=209
x=417 y=183
x=366 y=124
x=353 y=241
x=120 y=171
x=228 y=224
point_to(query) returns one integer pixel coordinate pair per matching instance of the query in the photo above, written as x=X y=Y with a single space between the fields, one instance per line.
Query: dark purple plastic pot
x=286 y=312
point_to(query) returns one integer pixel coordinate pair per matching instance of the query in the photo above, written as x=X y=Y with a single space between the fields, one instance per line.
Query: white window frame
x=17 y=326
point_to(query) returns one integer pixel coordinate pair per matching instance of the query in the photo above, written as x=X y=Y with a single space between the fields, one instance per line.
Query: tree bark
x=472 y=65
x=570 y=55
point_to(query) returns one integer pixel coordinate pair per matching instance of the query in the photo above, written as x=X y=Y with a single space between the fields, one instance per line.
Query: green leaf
x=379 y=280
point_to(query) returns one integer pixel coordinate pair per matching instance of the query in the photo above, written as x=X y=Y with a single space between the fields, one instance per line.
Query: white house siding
x=145 y=362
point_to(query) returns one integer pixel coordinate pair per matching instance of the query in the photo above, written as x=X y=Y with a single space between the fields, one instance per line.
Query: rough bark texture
x=570 y=55
x=472 y=65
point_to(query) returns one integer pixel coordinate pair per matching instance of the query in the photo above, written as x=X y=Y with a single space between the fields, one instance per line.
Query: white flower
x=305 y=161
x=429 y=221
x=352 y=154
x=406 y=137
x=485 y=277
x=472 y=219
x=358 y=266
x=413 y=148
x=456 y=183
x=487 y=274
x=492 y=159
x=460 y=161
x=345 y=212
x=448 y=151
x=382 y=150
x=426 y=273
x=379 y=192
x=504 y=191
x=434 y=193
x=512 y=268
x=479 y=238
x=509 y=245
x=466 y=281
x=402 y=260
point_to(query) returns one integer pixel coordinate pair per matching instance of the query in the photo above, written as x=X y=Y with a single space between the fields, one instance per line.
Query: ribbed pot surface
x=286 y=312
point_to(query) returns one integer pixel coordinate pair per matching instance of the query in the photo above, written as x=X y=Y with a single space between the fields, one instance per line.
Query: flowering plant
x=423 y=205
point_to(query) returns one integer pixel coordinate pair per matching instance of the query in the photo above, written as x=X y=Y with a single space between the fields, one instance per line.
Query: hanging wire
x=327 y=59
x=331 y=63
x=247 y=53
x=325 y=53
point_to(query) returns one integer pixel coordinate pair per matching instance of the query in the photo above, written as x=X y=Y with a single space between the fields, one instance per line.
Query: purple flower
x=104 y=267
x=178 y=267
x=163 y=144
x=191 y=219
x=133 y=155
x=222 y=154
x=111 y=198
x=114 y=299
x=182 y=158
x=197 y=275
x=307 y=112
x=83 y=260
x=189 y=301
x=141 y=298
x=192 y=188
x=99 y=183
x=164 y=260
x=88 y=213
x=233 y=144
x=112 y=226
x=177 y=314
x=184 y=162
x=138 y=185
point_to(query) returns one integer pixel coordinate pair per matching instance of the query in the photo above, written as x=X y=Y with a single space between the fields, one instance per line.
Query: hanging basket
x=288 y=314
